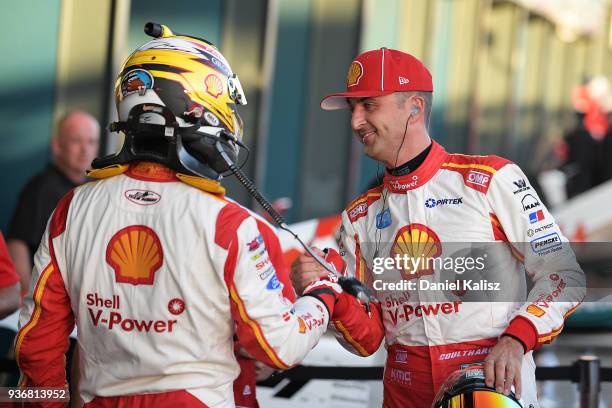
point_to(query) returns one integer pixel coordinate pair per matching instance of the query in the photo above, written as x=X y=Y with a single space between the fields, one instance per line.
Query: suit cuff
x=523 y=330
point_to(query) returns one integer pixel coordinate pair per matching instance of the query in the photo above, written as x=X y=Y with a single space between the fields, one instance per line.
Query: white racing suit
x=159 y=270
x=452 y=208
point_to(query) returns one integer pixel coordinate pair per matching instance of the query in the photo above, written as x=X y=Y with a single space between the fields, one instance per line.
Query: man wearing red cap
x=428 y=201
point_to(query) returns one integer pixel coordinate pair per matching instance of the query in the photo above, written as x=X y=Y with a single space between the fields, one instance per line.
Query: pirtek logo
x=420 y=310
x=432 y=202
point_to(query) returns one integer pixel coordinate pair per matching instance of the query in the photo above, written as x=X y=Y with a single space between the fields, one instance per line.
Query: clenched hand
x=306 y=270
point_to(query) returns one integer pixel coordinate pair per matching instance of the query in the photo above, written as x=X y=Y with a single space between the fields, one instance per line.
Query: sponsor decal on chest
x=433 y=202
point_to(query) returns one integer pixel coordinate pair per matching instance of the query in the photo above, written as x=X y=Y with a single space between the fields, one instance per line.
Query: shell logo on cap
x=419 y=242
x=355 y=73
x=535 y=310
x=214 y=85
x=135 y=254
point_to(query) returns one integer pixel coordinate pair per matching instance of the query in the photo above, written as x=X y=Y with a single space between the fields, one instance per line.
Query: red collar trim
x=415 y=179
x=148 y=171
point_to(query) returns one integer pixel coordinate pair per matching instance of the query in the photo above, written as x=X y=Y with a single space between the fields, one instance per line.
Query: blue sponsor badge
x=274 y=283
x=383 y=219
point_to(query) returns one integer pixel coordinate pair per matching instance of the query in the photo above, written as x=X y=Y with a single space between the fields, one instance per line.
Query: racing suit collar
x=420 y=176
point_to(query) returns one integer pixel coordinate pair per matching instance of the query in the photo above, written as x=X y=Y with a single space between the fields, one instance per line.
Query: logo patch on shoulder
x=479 y=178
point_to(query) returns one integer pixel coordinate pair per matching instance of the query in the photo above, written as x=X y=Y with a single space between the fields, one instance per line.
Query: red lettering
x=90 y=300
x=108 y=303
x=127 y=325
x=447 y=308
x=142 y=325
x=95 y=319
x=393 y=315
x=114 y=319
x=170 y=324
x=160 y=326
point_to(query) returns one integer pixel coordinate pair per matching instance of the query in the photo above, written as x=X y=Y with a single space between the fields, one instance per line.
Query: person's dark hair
x=402 y=97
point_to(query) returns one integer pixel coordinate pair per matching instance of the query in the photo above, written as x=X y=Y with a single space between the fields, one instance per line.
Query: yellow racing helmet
x=466 y=388
x=176 y=99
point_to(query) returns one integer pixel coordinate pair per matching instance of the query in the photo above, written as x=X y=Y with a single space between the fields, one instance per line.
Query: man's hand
x=503 y=366
x=306 y=270
x=262 y=371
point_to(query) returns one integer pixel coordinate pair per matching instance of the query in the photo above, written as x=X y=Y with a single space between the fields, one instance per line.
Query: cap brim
x=339 y=100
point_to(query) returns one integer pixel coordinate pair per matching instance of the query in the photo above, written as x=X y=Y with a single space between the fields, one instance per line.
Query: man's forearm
x=9 y=300
x=21 y=258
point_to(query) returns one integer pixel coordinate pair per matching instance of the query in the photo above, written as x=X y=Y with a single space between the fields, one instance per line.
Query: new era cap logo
x=403 y=81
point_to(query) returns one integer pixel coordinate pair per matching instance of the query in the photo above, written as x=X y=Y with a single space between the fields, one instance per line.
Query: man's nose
x=357 y=117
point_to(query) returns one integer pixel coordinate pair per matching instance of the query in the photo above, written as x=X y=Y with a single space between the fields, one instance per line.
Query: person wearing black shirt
x=74 y=145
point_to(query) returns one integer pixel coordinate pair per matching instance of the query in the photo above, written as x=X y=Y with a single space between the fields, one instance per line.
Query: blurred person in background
x=586 y=150
x=428 y=200
x=157 y=267
x=74 y=145
x=9 y=282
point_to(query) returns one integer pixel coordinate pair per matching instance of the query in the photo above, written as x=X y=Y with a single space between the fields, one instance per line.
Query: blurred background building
x=503 y=75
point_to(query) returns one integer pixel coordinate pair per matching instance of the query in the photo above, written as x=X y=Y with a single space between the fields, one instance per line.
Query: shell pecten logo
x=419 y=242
x=214 y=85
x=135 y=254
x=354 y=74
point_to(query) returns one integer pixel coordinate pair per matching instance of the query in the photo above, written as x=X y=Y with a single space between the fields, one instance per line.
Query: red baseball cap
x=381 y=72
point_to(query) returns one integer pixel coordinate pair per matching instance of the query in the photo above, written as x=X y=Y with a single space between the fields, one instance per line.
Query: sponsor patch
x=135 y=253
x=532 y=232
x=355 y=73
x=400 y=376
x=478 y=178
x=401 y=356
x=255 y=243
x=396 y=185
x=360 y=209
x=536 y=216
x=142 y=197
x=308 y=322
x=521 y=186
x=432 y=202
x=265 y=274
x=263 y=263
x=214 y=85
x=211 y=119
x=176 y=306
x=402 y=80
x=136 y=80
x=546 y=244
x=535 y=310
x=274 y=283
x=383 y=219
x=529 y=202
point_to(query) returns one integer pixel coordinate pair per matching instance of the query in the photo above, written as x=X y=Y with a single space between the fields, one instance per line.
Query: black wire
x=385 y=193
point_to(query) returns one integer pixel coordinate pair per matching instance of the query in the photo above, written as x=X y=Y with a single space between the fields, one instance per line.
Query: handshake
x=310 y=278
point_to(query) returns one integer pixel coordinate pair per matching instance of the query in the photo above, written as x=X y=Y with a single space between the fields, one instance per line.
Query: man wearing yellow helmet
x=158 y=268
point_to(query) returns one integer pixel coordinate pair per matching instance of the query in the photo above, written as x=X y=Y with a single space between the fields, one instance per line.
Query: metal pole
x=589 y=384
